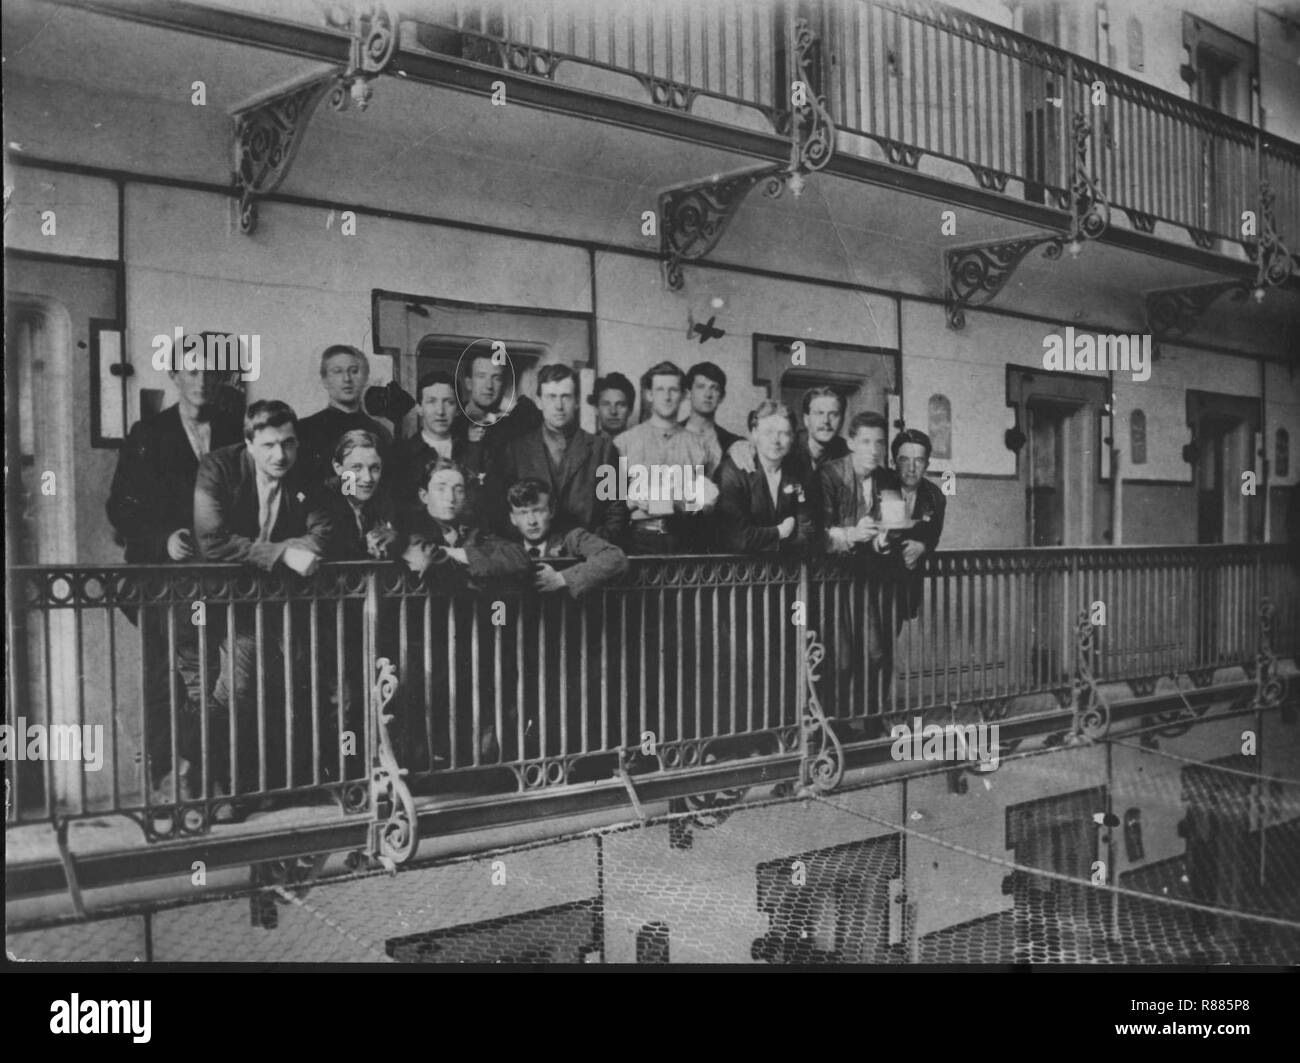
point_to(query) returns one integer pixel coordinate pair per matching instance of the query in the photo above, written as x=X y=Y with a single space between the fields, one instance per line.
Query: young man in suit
x=439 y=409
x=151 y=508
x=455 y=559
x=769 y=509
x=452 y=555
x=925 y=505
x=565 y=458
x=531 y=513
x=851 y=491
x=253 y=505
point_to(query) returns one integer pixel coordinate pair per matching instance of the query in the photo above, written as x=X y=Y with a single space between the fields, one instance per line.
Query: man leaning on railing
x=253 y=504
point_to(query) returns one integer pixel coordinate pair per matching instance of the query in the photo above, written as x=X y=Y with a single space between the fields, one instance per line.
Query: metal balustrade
x=694 y=659
x=919 y=79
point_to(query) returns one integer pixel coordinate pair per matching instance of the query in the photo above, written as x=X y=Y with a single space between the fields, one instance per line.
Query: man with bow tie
x=254 y=505
x=151 y=508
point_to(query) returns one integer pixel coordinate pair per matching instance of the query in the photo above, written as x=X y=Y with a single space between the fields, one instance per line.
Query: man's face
x=559 y=399
x=823 y=419
x=706 y=396
x=274 y=450
x=868 y=449
x=444 y=497
x=772 y=437
x=196 y=386
x=533 y=522
x=665 y=396
x=612 y=410
x=487 y=383
x=345 y=377
x=438 y=409
x=362 y=468
x=912 y=462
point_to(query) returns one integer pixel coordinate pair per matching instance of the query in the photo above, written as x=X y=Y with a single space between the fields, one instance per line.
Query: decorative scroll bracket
x=1269 y=687
x=1271 y=255
x=976 y=274
x=821 y=767
x=693 y=217
x=1091 y=711
x=395 y=832
x=1174 y=312
x=269 y=131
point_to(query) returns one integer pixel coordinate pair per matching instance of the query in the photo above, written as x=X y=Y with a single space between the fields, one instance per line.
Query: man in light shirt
x=666 y=526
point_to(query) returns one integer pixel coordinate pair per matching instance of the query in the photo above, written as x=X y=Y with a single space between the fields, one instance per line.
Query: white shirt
x=442 y=446
x=773 y=484
x=199 y=434
x=268 y=506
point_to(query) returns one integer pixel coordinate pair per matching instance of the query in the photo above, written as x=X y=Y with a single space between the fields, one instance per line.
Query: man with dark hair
x=565 y=458
x=532 y=511
x=490 y=417
x=706 y=387
x=344 y=374
x=151 y=508
x=453 y=555
x=819 y=442
x=439 y=410
x=665 y=526
x=253 y=505
x=852 y=490
x=613 y=396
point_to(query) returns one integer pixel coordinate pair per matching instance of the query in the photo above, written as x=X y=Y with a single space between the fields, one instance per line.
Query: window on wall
x=940 y=426
x=865 y=376
x=1282 y=453
x=1137 y=437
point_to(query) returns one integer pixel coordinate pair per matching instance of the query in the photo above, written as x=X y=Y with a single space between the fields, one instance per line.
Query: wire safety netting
x=1114 y=852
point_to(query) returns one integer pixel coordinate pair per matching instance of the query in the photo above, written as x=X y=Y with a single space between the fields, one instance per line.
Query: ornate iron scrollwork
x=901 y=154
x=1142 y=222
x=1268 y=251
x=269 y=132
x=267 y=137
x=1091 y=711
x=1088 y=203
x=1269 y=687
x=694 y=217
x=1173 y=312
x=671 y=94
x=812 y=133
x=395 y=834
x=976 y=274
x=823 y=769
x=990 y=180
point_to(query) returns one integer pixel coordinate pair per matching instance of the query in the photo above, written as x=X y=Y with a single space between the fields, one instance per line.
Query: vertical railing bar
x=110 y=620
x=498 y=715
x=50 y=801
x=475 y=693
x=259 y=659
x=697 y=593
x=286 y=660
x=172 y=707
x=453 y=686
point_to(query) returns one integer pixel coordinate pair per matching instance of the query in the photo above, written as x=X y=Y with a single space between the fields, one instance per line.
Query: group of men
x=481 y=496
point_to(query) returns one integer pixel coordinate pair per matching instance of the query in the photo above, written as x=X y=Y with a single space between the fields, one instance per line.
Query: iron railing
x=919 y=79
x=684 y=661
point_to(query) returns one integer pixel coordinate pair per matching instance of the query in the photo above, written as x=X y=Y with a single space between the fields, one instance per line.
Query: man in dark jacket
x=254 y=505
x=565 y=458
x=344 y=374
x=151 y=508
x=852 y=489
x=924 y=505
x=769 y=509
x=439 y=409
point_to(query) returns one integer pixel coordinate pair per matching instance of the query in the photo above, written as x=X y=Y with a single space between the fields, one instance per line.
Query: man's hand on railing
x=912 y=552
x=300 y=556
x=180 y=544
x=380 y=541
x=547 y=580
